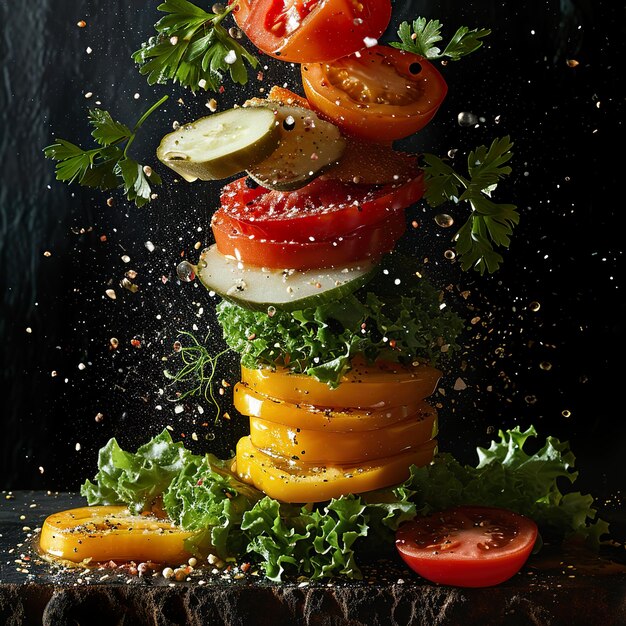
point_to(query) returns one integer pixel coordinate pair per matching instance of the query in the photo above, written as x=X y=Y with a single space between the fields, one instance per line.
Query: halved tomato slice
x=380 y=94
x=468 y=546
x=312 y=30
x=111 y=533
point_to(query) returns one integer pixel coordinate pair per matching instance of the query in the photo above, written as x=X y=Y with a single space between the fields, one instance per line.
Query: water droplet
x=449 y=254
x=566 y=413
x=271 y=311
x=546 y=366
x=186 y=271
x=444 y=220
x=534 y=306
x=465 y=118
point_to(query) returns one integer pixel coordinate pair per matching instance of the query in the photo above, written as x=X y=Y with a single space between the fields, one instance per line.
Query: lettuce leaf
x=376 y=321
x=235 y=520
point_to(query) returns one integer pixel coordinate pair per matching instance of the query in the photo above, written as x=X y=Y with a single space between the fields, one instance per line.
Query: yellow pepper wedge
x=112 y=533
x=364 y=386
x=291 y=481
x=317 y=446
x=253 y=404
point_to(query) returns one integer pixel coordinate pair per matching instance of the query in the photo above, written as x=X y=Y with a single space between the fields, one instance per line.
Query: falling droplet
x=534 y=306
x=271 y=311
x=186 y=271
x=444 y=220
x=465 y=118
x=449 y=254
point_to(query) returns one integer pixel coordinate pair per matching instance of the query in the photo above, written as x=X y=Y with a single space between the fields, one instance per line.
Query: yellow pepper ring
x=364 y=386
x=317 y=446
x=309 y=482
x=253 y=404
x=111 y=533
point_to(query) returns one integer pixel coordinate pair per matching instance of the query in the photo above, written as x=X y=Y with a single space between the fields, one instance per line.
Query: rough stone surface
x=557 y=589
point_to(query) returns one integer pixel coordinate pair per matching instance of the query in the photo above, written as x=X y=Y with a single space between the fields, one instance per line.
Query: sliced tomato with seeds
x=312 y=30
x=368 y=242
x=380 y=94
x=467 y=546
x=324 y=209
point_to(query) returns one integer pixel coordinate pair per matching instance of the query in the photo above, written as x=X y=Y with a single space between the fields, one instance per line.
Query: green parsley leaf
x=107 y=166
x=489 y=223
x=422 y=38
x=193 y=48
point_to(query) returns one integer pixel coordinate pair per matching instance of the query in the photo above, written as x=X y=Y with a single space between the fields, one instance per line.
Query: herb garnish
x=489 y=223
x=193 y=48
x=422 y=36
x=108 y=166
x=199 y=367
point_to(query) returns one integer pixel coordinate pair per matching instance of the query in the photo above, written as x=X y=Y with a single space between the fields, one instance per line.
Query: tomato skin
x=321 y=210
x=467 y=546
x=369 y=242
x=322 y=30
x=330 y=88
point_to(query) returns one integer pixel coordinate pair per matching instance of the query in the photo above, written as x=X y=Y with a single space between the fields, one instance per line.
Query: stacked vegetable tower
x=337 y=333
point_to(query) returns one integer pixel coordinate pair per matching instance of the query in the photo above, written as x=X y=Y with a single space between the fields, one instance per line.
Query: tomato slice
x=468 y=546
x=381 y=94
x=324 y=209
x=289 y=480
x=335 y=420
x=367 y=242
x=379 y=385
x=111 y=533
x=312 y=30
x=324 y=447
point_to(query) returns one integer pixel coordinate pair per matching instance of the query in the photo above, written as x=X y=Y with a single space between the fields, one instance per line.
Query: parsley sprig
x=489 y=223
x=108 y=165
x=422 y=37
x=193 y=48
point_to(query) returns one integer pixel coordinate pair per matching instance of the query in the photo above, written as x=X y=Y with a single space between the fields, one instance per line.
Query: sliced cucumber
x=308 y=146
x=221 y=145
x=259 y=288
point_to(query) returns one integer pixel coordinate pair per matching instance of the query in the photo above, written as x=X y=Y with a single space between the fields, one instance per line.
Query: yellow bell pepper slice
x=364 y=386
x=295 y=481
x=318 y=446
x=112 y=533
x=253 y=404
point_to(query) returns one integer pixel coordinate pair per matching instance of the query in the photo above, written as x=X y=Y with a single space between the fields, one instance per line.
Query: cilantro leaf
x=193 y=48
x=489 y=224
x=422 y=36
x=107 y=166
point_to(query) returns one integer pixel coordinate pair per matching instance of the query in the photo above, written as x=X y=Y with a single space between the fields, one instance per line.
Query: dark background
x=559 y=367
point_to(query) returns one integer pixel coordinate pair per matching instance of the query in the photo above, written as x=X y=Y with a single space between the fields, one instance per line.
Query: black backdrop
x=558 y=367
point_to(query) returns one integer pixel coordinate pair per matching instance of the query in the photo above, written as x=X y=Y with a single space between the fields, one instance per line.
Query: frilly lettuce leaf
x=235 y=520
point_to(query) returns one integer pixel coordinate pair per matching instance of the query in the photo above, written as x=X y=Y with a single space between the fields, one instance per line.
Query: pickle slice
x=221 y=145
x=308 y=147
x=259 y=288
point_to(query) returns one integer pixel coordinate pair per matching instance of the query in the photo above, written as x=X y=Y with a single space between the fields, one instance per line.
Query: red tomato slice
x=366 y=242
x=468 y=546
x=381 y=94
x=307 y=31
x=324 y=209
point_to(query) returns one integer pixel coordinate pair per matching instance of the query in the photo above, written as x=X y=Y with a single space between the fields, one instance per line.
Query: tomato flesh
x=468 y=546
x=365 y=243
x=302 y=31
x=321 y=210
x=381 y=94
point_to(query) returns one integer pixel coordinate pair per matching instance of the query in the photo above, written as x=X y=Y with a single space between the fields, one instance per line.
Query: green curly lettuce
x=397 y=316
